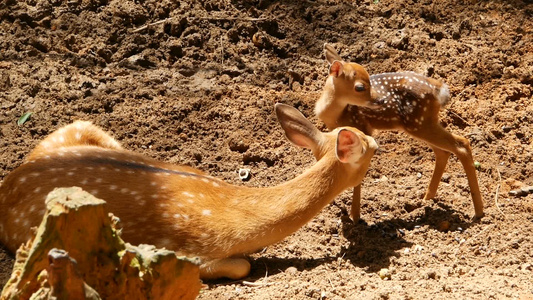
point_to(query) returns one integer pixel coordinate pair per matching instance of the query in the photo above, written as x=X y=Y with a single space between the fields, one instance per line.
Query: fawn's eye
x=359 y=87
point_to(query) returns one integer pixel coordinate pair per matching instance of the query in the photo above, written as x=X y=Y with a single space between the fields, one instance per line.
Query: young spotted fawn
x=179 y=207
x=394 y=101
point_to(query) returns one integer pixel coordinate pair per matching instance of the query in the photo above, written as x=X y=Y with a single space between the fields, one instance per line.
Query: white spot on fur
x=206 y=212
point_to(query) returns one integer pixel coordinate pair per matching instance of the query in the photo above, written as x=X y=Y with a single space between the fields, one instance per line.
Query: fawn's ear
x=297 y=128
x=349 y=147
x=331 y=54
x=335 y=69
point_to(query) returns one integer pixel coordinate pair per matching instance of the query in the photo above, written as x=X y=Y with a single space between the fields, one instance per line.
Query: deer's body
x=404 y=101
x=171 y=206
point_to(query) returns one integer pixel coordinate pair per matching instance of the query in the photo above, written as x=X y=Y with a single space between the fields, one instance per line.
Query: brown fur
x=394 y=101
x=179 y=207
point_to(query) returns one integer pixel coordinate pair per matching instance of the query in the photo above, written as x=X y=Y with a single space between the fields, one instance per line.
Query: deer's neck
x=329 y=107
x=283 y=209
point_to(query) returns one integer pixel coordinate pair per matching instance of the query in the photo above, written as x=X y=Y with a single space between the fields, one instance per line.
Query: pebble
x=443 y=226
x=244 y=174
x=384 y=274
x=291 y=270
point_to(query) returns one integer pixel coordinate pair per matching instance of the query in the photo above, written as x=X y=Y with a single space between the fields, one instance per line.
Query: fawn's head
x=350 y=146
x=350 y=80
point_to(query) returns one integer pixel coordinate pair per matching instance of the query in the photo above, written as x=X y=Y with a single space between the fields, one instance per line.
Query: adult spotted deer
x=179 y=207
x=394 y=101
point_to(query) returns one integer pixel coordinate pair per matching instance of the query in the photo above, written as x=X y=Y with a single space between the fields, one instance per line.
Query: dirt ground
x=198 y=89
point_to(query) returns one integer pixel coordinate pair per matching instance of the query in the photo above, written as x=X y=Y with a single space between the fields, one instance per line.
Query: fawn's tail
x=443 y=94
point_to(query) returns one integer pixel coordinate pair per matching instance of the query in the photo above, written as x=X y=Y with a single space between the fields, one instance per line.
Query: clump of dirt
x=198 y=86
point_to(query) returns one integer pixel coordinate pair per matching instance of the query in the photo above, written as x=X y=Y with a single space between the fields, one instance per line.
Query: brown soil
x=197 y=90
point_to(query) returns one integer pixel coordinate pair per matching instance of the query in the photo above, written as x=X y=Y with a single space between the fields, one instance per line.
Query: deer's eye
x=359 y=87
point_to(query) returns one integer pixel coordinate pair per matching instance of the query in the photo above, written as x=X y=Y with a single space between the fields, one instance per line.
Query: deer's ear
x=331 y=54
x=335 y=69
x=297 y=128
x=349 y=147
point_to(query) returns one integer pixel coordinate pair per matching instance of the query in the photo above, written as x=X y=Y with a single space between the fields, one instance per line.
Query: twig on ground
x=478 y=234
x=498 y=191
x=461 y=118
x=330 y=283
x=256 y=284
x=232 y=19
x=151 y=25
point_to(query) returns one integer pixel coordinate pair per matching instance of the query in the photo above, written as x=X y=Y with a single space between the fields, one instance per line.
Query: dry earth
x=198 y=89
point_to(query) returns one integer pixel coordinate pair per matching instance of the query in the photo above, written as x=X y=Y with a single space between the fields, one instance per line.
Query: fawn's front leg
x=441 y=159
x=355 y=212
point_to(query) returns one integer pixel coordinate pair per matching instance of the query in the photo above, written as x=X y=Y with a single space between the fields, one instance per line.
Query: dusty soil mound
x=198 y=89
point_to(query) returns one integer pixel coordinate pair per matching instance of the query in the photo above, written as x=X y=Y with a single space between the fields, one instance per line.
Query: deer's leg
x=232 y=268
x=438 y=137
x=441 y=159
x=355 y=212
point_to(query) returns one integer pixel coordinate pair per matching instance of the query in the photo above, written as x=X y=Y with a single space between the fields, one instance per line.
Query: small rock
x=431 y=274
x=418 y=175
x=443 y=226
x=261 y=40
x=379 y=45
x=291 y=270
x=445 y=178
x=244 y=174
x=384 y=274
x=136 y=62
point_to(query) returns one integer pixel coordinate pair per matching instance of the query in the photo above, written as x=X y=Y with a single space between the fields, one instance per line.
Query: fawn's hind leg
x=79 y=133
x=438 y=137
x=232 y=268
